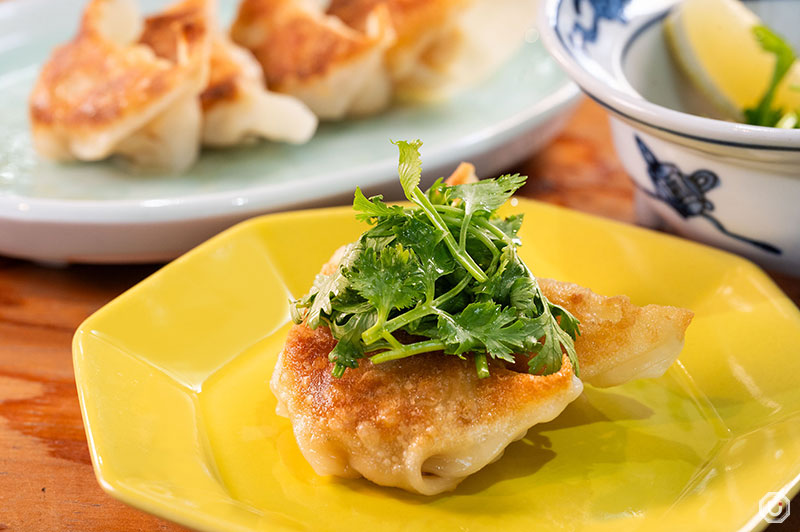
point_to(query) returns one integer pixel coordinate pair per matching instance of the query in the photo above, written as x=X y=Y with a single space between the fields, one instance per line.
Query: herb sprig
x=444 y=274
x=765 y=114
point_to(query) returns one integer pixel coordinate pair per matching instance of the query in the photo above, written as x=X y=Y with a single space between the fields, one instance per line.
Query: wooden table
x=46 y=478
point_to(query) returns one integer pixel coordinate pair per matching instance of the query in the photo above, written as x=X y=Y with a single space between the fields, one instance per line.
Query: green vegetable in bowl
x=764 y=114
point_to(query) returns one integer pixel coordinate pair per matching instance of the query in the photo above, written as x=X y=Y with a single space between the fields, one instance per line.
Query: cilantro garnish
x=764 y=114
x=445 y=274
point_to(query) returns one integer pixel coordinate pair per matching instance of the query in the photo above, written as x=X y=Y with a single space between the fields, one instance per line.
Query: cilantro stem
x=338 y=370
x=392 y=340
x=462 y=236
x=460 y=255
x=483 y=223
x=390 y=279
x=477 y=233
x=377 y=329
x=489 y=226
x=371 y=336
x=481 y=365
x=788 y=121
x=450 y=294
x=407 y=351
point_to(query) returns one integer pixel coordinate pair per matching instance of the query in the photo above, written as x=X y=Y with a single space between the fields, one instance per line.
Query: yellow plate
x=172 y=377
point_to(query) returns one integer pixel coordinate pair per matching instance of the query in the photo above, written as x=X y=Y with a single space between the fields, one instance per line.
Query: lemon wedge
x=714 y=43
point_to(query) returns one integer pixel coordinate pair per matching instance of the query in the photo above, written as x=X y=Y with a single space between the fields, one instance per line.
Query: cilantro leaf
x=439 y=193
x=489 y=194
x=523 y=295
x=349 y=302
x=764 y=114
x=487 y=327
x=549 y=353
x=512 y=284
x=389 y=279
x=484 y=196
x=559 y=329
x=372 y=209
x=324 y=289
x=435 y=260
x=510 y=226
x=348 y=348
x=410 y=167
x=327 y=287
x=509 y=271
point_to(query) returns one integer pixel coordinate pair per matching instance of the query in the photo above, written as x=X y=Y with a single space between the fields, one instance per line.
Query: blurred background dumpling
x=333 y=68
x=237 y=106
x=154 y=90
x=443 y=46
x=126 y=87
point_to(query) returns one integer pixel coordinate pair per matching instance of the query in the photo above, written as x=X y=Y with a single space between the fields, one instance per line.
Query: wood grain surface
x=46 y=478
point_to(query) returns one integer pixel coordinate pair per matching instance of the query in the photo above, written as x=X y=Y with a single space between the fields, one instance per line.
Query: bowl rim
x=635 y=108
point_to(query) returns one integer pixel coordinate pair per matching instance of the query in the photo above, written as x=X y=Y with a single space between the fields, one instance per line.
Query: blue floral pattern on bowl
x=686 y=193
x=612 y=10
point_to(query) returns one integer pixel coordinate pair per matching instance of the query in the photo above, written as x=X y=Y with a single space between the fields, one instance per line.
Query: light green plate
x=98 y=212
x=172 y=378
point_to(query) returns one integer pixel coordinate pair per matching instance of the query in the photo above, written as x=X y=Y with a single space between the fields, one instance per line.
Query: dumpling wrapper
x=237 y=107
x=421 y=424
x=126 y=87
x=620 y=341
x=334 y=69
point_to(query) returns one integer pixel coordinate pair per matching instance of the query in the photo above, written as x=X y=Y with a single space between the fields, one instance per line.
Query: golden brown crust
x=93 y=87
x=223 y=77
x=422 y=423
x=174 y=32
x=89 y=82
x=415 y=386
x=421 y=27
x=293 y=44
x=411 y=19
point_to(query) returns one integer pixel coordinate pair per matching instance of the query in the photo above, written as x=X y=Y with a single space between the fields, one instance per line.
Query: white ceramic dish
x=99 y=213
x=730 y=185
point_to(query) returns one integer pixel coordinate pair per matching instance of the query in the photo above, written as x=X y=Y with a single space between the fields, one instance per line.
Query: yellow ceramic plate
x=173 y=374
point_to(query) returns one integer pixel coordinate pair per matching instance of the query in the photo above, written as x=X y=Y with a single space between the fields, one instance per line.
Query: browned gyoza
x=421 y=423
x=237 y=105
x=153 y=89
x=334 y=69
x=126 y=86
x=425 y=423
x=351 y=57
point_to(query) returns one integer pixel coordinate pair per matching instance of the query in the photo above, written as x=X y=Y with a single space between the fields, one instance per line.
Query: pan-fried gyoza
x=152 y=90
x=427 y=346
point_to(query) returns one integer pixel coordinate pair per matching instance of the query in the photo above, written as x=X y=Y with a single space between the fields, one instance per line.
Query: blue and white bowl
x=731 y=185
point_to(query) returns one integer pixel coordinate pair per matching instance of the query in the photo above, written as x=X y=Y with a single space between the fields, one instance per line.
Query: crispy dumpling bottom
x=422 y=424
